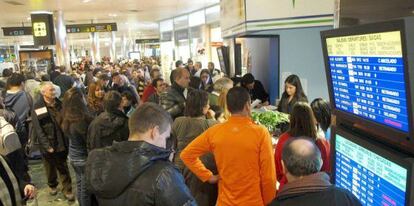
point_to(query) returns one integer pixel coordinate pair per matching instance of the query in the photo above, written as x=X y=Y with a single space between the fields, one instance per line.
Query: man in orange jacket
x=243 y=154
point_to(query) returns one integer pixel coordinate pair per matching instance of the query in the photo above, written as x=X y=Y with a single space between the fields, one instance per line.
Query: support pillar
x=95 y=53
x=113 y=47
x=62 y=51
x=124 y=46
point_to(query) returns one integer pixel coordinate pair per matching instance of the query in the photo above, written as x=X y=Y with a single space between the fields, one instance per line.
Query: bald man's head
x=301 y=157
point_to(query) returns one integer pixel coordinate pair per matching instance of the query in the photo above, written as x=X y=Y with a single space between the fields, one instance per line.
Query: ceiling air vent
x=14 y=3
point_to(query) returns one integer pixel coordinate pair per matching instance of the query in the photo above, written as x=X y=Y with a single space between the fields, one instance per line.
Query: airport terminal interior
x=206 y=102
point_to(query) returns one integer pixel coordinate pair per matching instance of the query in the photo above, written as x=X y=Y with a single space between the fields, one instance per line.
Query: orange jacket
x=244 y=158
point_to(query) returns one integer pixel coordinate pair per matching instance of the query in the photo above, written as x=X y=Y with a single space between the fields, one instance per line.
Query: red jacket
x=323 y=146
x=148 y=91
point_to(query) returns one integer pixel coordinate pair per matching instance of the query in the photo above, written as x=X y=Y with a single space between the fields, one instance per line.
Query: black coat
x=173 y=101
x=77 y=135
x=314 y=190
x=258 y=92
x=332 y=196
x=286 y=107
x=107 y=128
x=135 y=173
x=6 y=177
x=65 y=82
x=46 y=126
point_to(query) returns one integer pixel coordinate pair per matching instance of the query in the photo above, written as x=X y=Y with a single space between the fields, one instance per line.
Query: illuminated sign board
x=43 y=32
x=88 y=28
x=17 y=31
x=147 y=41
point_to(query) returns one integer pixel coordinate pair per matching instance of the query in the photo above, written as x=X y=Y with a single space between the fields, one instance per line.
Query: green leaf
x=270 y=119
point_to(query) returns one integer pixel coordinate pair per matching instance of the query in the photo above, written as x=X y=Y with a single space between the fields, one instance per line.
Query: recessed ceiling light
x=113 y=15
x=86 y=1
x=28 y=18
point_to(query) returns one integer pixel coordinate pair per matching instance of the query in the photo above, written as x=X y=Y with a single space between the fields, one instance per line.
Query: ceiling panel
x=134 y=17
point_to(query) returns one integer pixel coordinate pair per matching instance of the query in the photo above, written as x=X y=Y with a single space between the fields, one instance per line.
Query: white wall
x=301 y=54
x=259 y=50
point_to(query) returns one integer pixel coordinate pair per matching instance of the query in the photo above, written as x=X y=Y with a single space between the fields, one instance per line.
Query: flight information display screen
x=367 y=73
x=373 y=179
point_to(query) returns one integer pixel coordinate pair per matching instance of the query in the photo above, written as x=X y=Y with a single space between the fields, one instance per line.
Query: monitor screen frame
x=382 y=132
x=380 y=149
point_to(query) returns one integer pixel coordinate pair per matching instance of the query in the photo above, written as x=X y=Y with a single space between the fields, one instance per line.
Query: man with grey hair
x=53 y=144
x=138 y=171
x=307 y=186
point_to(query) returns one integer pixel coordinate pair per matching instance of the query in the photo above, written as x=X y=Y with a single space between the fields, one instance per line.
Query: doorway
x=259 y=55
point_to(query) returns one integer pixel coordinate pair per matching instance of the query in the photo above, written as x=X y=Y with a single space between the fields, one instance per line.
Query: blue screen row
x=372 y=88
x=367 y=175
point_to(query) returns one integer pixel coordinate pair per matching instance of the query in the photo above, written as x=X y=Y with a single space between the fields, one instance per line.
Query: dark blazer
x=46 y=126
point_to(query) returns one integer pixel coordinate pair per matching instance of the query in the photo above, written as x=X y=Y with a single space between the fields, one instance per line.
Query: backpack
x=9 y=140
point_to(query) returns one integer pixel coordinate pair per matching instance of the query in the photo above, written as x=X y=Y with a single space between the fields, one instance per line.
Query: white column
x=113 y=47
x=95 y=53
x=62 y=51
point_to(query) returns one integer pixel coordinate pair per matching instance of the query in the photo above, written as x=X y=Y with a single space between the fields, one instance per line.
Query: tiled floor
x=37 y=173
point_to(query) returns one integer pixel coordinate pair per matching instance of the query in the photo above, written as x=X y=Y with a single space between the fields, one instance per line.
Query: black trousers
x=57 y=162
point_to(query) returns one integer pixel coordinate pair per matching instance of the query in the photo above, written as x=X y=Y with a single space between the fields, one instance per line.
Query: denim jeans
x=83 y=196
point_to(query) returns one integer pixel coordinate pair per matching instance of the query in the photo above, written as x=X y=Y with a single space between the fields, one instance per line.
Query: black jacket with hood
x=106 y=128
x=135 y=173
x=21 y=104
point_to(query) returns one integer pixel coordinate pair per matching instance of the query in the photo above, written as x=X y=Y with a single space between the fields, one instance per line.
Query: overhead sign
x=147 y=41
x=89 y=28
x=17 y=31
x=43 y=32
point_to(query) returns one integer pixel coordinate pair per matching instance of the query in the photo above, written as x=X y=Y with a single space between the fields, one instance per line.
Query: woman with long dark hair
x=185 y=130
x=75 y=122
x=302 y=124
x=96 y=94
x=322 y=111
x=206 y=80
x=293 y=93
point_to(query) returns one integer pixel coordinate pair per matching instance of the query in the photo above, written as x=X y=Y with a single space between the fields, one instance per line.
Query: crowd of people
x=135 y=138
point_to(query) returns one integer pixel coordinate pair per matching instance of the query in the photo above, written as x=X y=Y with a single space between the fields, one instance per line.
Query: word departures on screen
x=373 y=179
x=368 y=77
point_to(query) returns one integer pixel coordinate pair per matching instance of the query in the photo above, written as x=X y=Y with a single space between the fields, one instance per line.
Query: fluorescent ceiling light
x=41 y=12
x=113 y=15
x=86 y=1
